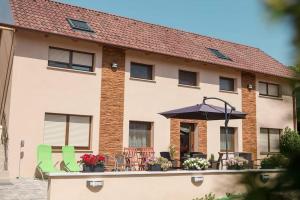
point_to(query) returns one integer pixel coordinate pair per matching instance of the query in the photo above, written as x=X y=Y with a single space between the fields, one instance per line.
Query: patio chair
x=44 y=159
x=146 y=153
x=131 y=158
x=120 y=162
x=70 y=163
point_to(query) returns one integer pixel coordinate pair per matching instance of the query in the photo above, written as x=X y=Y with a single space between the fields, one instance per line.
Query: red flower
x=89 y=159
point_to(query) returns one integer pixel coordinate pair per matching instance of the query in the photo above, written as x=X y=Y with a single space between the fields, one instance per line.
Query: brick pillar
x=175 y=134
x=112 y=101
x=202 y=136
x=249 y=107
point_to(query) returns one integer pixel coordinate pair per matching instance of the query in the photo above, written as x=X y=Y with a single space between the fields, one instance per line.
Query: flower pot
x=155 y=167
x=99 y=168
x=88 y=168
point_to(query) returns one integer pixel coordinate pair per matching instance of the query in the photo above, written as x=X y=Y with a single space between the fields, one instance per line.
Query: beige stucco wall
x=274 y=112
x=144 y=100
x=147 y=186
x=37 y=89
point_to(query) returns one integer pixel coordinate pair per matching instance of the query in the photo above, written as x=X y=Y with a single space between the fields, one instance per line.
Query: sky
x=241 y=21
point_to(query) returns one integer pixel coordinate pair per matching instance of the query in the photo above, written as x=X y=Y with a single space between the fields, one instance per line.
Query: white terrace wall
x=172 y=185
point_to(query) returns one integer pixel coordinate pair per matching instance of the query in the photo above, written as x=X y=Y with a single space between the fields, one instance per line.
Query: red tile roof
x=50 y=16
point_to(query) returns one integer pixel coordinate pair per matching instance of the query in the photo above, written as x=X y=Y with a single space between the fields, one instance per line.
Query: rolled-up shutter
x=55 y=129
x=79 y=131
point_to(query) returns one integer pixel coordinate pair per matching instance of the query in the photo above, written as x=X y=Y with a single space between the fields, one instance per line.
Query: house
x=74 y=76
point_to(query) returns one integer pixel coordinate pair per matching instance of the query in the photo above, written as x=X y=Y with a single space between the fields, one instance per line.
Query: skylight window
x=218 y=54
x=80 y=25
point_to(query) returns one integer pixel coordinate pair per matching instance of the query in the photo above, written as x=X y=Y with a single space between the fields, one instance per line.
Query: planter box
x=154 y=168
x=99 y=168
x=90 y=168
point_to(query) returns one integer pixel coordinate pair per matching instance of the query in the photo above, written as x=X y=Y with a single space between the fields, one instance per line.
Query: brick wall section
x=249 y=107
x=112 y=101
x=175 y=134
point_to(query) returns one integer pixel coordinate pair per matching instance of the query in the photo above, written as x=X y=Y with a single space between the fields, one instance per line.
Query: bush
x=289 y=142
x=236 y=163
x=195 y=164
x=209 y=196
x=275 y=162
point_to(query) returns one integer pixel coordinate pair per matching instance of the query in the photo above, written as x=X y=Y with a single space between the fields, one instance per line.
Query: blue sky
x=242 y=21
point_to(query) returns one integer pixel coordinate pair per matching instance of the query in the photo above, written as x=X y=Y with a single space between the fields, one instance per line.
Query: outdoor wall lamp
x=197 y=179
x=114 y=65
x=94 y=183
x=250 y=86
x=264 y=178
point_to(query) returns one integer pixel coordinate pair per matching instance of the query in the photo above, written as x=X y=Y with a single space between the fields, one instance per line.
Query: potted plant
x=100 y=160
x=195 y=164
x=89 y=161
x=236 y=163
x=159 y=164
x=213 y=162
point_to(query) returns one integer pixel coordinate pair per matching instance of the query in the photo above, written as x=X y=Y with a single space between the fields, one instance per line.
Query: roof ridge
x=153 y=24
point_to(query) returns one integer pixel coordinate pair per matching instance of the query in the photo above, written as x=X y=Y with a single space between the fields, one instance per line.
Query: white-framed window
x=62 y=129
x=140 y=134
x=269 y=89
x=70 y=59
x=187 y=78
x=141 y=71
x=269 y=140
x=231 y=142
x=227 y=84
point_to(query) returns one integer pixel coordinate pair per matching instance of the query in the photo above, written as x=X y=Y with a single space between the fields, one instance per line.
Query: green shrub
x=209 y=196
x=289 y=142
x=274 y=162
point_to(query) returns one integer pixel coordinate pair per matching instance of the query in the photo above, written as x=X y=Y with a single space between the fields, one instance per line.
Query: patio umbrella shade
x=203 y=112
x=207 y=112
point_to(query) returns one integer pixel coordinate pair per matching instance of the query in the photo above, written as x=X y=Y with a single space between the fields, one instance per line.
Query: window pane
x=141 y=71
x=55 y=129
x=264 y=140
x=82 y=59
x=139 y=134
x=187 y=78
x=79 y=131
x=263 y=88
x=274 y=140
x=231 y=139
x=227 y=84
x=59 y=55
x=273 y=90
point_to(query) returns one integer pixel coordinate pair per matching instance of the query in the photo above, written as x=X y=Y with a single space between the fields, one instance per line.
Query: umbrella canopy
x=203 y=112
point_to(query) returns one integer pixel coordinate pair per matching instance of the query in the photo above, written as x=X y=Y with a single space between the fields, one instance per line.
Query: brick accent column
x=175 y=134
x=112 y=101
x=249 y=107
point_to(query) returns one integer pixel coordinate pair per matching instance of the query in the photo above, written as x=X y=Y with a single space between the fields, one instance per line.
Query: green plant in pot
x=158 y=164
x=92 y=163
x=237 y=163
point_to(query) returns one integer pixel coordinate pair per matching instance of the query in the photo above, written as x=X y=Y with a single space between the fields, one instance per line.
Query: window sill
x=270 y=97
x=188 y=86
x=230 y=92
x=140 y=79
x=269 y=153
x=70 y=70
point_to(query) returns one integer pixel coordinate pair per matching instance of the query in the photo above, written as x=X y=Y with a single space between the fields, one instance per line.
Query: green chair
x=69 y=159
x=44 y=159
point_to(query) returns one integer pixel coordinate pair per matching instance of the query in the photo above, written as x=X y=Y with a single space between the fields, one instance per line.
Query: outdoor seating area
x=138 y=159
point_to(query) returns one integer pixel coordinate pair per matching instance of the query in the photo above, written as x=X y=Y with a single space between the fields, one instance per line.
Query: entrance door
x=187 y=131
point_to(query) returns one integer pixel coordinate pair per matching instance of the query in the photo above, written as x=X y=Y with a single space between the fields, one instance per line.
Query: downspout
x=8 y=74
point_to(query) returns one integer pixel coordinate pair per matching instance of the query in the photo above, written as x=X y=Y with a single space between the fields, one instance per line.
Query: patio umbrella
x=207 y=112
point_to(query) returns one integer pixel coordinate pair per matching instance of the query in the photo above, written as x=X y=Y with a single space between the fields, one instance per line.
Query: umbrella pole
x=226 y=130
